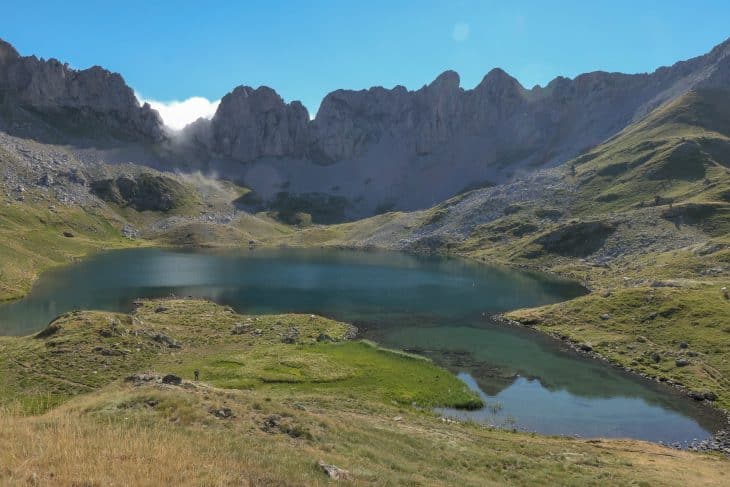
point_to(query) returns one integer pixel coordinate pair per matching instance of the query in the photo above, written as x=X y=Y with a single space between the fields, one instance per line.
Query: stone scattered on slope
x=333 y=471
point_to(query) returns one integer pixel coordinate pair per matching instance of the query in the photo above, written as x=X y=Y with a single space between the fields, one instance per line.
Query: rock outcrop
x=143 y=193
x=252 y=123
x=71 y=99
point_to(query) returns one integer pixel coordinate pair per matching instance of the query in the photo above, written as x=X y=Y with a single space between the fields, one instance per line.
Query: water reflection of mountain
x=495 y=356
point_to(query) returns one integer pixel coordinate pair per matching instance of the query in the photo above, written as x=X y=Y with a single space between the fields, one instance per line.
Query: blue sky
x=304 y=49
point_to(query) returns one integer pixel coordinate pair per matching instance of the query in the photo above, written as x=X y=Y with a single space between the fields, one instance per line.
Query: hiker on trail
x=197 y=374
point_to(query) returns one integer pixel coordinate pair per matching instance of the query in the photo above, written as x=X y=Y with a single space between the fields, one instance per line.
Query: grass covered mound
x=81 y=352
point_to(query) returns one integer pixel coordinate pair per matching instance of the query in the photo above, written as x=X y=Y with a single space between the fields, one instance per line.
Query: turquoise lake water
x=435 y=306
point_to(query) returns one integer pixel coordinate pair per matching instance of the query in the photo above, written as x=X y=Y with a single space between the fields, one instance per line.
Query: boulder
x=333 y=471
x=323 y=337
x=142 y=378
x=49 y=330
x=702 y=395
x=108 y=352
x=240 y=328
x=271 y=423
x=291 y=335
x=145 y=192
x=221 y=412
x=166 y=340
x=172 y=379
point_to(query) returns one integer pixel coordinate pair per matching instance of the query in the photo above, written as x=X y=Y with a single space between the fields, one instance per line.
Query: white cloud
x=177 y=114
x=461 y=32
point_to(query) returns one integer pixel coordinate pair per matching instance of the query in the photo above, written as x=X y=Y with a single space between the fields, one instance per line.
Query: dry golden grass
x=71 y=450
x=113 y=438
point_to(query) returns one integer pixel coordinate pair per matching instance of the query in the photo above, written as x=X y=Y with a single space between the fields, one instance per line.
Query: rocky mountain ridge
x=507 y=122
x=377 y=148
x=74 y=99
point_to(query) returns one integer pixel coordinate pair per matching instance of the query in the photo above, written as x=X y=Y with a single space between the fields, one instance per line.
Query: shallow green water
x=435 y=306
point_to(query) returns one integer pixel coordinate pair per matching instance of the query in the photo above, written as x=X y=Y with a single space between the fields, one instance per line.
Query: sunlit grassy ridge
x=679 y=153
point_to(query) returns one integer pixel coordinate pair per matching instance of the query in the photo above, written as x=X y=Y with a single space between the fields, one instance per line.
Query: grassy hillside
x=678 y=335
x=679 y=154
x=40 y=228
x=34 y=237
x=274 y=398
x=647 y=227
x=268 y=352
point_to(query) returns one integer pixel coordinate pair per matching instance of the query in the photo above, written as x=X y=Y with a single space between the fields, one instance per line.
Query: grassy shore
x=676 y=335
x=36 y=237
x=275 y=398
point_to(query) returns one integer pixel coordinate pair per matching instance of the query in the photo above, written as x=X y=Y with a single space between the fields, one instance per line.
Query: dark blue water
x=435 y=306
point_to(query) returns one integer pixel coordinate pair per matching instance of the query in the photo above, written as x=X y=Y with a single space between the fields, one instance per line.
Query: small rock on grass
x=141 y=378
x=323 y=337
x=333 y=471
x=221 y=412
x=239 y=328
x=166 y=340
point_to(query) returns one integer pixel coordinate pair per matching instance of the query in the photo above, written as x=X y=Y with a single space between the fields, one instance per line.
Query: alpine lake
x=439 y=307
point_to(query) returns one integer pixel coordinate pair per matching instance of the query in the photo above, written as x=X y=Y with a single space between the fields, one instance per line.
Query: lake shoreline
x=721 y=437
x=594 y=356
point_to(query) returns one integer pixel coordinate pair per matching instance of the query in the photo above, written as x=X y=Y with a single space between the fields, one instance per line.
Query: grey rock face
x=90 y=97
x=349 y=122
x=252 y=123
x=498 y=124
